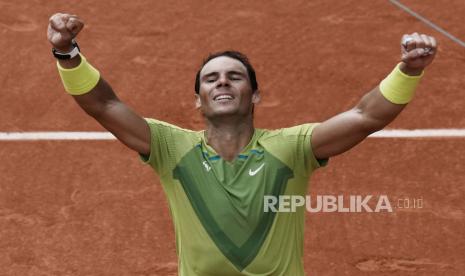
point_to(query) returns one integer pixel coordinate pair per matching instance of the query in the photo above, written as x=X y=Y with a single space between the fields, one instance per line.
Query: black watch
x=69 y=55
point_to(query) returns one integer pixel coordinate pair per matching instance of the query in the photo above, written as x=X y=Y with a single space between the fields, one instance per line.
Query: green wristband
x=79 y=80
x=398 y=87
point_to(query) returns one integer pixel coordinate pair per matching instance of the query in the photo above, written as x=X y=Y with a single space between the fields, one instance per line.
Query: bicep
x=338 y=134
x=345 y=130
x=128 y=127
x=115 y=116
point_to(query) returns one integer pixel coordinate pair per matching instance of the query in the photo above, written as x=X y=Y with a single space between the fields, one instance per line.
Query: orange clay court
x=72 y=208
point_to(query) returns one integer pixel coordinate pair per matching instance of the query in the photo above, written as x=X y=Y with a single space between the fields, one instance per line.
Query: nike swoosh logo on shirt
x=252 y=173
x=207 y=167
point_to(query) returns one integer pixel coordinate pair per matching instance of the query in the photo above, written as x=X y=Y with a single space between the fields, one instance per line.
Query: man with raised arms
x=216 y=179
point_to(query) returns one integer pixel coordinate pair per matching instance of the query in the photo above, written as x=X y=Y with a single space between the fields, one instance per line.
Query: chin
x=221 y=112
x=225 y=112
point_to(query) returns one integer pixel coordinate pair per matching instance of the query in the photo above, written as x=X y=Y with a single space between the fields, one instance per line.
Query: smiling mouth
x=223 y=98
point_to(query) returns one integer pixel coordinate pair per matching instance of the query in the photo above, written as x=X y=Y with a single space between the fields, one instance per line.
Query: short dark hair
x=232 y=54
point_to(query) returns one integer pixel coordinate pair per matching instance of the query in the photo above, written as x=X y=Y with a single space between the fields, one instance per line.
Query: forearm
x=381 y=106
x=375 y=111
x=98 y=101
x=96 y=97
x=93 y=94
x=115 y=116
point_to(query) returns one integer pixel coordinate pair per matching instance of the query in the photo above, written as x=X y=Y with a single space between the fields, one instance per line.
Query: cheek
x=246 y=93
x=245 y=88
x=203 y=98
x=204 y=90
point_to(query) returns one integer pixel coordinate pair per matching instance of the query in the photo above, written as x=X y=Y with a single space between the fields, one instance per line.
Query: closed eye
x=235 y=77
x=210 y=78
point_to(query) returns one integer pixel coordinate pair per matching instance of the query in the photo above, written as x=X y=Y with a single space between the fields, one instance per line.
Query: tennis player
x=215 y=180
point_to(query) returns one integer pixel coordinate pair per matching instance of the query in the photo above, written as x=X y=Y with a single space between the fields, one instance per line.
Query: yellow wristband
x=79 y=80
x=398 y=87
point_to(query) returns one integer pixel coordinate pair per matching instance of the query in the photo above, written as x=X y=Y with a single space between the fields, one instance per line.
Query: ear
x=256 y=97
x=198 y=103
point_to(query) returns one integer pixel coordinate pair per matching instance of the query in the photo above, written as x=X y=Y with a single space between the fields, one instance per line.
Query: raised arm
x=380 y=106
x=100 y=101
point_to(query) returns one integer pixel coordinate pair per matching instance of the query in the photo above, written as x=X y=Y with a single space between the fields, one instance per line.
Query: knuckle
x=53 y=17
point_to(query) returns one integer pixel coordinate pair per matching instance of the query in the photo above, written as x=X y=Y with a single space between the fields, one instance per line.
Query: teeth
x=223 y=97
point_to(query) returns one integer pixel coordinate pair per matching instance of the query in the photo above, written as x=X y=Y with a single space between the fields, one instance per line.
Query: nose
x=223 y=81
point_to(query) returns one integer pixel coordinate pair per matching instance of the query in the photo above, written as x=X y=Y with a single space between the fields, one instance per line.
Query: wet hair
x=232 y=54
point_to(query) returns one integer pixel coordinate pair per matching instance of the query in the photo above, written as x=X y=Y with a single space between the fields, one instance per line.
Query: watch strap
x=69 y=55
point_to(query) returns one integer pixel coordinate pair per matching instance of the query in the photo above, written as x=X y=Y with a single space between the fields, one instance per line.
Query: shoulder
x=165 y=128
x=162 y=124
x=292 y=145
x=288 y=132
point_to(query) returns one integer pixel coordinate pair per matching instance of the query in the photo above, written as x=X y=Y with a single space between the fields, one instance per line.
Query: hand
x=418 y=51
x=62 y=28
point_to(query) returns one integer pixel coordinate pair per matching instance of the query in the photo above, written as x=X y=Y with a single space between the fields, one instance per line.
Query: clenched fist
x=418 y=51
x=62 y=28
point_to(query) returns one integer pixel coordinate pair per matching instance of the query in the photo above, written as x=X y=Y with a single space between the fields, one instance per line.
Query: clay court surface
x=91 y=208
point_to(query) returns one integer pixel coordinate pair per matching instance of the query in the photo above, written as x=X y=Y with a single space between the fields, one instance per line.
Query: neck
x=228 y=136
